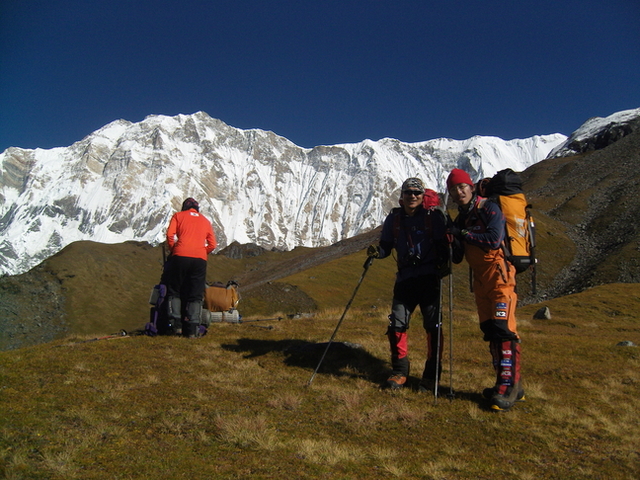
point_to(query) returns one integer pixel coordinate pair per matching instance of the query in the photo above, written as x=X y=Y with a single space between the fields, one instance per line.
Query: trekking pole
x=262 y=320
x=439 y=346
x=451 y=395
x=121 y=334
x=366 y=266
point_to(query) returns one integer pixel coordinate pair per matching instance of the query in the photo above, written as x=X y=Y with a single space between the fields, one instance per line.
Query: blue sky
x=317 y=72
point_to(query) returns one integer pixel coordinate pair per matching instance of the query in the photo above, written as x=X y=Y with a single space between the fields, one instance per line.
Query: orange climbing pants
x=494 y=283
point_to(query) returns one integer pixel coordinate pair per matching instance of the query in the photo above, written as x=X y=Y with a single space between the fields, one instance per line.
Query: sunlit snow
x=124 y=181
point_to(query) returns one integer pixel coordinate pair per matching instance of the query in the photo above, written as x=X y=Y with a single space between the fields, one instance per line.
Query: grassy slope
x=235 y=404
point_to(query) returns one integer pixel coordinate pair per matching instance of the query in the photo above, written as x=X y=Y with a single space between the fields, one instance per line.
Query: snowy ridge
x=597 y=132
x=124 y=181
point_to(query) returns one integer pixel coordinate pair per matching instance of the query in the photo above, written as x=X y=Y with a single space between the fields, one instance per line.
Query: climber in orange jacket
x=190 y=239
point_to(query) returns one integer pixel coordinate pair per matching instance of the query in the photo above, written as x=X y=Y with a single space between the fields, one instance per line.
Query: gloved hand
x=373 y=251
x=456 y=232
x=443 y=268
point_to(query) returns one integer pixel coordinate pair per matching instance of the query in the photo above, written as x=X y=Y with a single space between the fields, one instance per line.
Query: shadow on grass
x=342 y=359
x=474 y=397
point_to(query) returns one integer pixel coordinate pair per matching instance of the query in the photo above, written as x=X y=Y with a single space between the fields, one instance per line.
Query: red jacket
x=190 y=235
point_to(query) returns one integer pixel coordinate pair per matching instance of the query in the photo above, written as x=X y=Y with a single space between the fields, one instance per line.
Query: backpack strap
x=398 y=224
x=396 y=212
x=506 y=252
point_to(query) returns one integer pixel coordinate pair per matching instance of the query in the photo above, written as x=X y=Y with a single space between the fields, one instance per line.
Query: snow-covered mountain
x=598 y=132
x=124 y=181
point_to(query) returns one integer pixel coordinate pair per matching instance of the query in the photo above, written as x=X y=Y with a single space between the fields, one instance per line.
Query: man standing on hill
x=418 y=234
x=190 y=239
x=479 y=231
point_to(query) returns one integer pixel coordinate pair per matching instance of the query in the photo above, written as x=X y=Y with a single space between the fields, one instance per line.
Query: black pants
x=408 y=294
x=185 y=278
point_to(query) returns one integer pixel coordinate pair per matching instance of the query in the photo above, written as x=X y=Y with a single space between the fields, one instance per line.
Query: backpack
x=159 y=323
x=219 y=297
x=220 y=302
x=430 y=199
x=505 y=189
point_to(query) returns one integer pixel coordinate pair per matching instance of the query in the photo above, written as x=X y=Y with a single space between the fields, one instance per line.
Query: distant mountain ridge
x=598 y=133
x=124 y=181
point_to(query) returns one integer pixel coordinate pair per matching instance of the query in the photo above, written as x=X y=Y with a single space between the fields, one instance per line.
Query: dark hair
x=190 y=203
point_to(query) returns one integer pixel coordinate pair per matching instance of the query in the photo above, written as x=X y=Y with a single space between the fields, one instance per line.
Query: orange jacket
x=190 y=235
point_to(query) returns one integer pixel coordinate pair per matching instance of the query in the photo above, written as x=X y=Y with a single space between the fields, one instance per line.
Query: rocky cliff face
x=124 y=181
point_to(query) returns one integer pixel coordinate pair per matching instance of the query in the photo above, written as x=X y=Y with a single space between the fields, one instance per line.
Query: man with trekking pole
x=417 y=231
x=479 y=231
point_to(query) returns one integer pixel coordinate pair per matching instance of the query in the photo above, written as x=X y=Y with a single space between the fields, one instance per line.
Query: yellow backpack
x=505 y=189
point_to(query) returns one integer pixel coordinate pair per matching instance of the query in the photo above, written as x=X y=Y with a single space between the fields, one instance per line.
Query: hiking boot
x=396 y=381
x=427 y=385
x=488 y=393
x=189 y=329
x=504 y=402
x=501 y=403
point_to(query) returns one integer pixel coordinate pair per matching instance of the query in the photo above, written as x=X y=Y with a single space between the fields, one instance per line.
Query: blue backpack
x=159 y=323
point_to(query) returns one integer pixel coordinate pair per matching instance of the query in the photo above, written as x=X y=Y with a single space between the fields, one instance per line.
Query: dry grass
x=237 y=404
x=248 y=432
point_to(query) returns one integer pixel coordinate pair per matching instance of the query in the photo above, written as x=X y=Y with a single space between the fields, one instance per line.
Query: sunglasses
x=415 y=193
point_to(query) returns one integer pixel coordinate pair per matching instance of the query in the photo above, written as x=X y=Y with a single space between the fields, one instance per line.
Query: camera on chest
x=413 y=258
